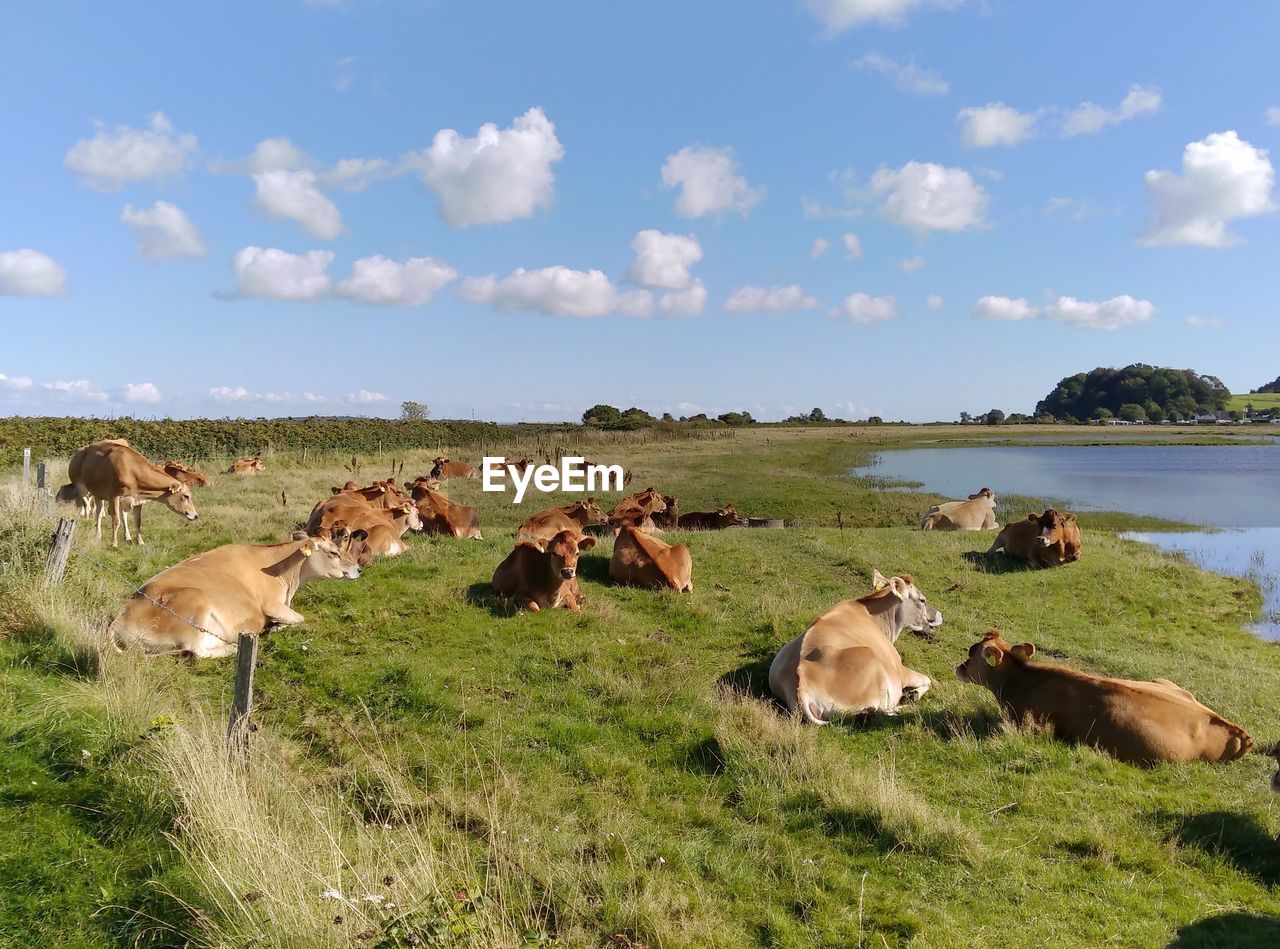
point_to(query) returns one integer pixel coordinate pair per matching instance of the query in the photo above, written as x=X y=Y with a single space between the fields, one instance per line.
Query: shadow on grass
x=38 y=646
x=594 y=570
x=996 y=563
x=949 y=725
x=1238 y=839
x=1228 y=931
x=751 y=679
x=483 y=596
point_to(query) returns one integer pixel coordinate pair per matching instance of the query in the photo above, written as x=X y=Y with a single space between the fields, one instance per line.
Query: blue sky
x=518 y=210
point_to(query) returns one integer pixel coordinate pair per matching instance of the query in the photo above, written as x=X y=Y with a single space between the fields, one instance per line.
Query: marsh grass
x=621 y=772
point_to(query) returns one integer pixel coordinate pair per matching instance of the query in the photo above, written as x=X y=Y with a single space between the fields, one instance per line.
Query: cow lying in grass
x=1138 y=722
x=539 y=577
x=1050 y=539
x=711 y=520
x=846 y=660
x=199 y=607
x=640 y=560
x=976 y=514
x=544 y=525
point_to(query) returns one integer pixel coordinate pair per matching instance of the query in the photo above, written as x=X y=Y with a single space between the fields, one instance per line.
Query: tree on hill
x=413 y=411
x=602 y=416
x=1157 y=392
x=736 y=418
x=1272 y=386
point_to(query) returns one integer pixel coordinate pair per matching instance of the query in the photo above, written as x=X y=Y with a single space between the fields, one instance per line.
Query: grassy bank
x=617 y=775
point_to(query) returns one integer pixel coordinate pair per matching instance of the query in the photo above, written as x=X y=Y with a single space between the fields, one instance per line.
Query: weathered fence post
x=238 y=726
x=55 y=564
x=26 y=468
x=40 y=471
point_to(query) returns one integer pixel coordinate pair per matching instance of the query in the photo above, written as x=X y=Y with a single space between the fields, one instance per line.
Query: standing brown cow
x=115 y=474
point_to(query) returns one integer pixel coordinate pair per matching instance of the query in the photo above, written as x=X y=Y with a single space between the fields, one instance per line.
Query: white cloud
x=144 y=393
x=110 y=160
x=1204 y=322
x=911 y=265
x=279 y=275
x=556 y=291
x=709 y=182
x=14 y=383
x=1089 y=118
x=354 y=174
x=1272 y=115
x=820 y=245
x=863 y=309
x=841 y=15
x=295 y=196
x=1004 y=308
x=905 y=76
x=79 y=390
x=163 y=232
x=687 y=302
x=1223 y=177
x=272 y=154
x=852 y=246
x=928 y=197
x=995 y=124
x=29 y=273
x=934 y=302
x=499 y=175
x=363 y=397
x=662 y=261
x=384 y=282
x=1107 y=315
x=750 y=299
x=229 y=394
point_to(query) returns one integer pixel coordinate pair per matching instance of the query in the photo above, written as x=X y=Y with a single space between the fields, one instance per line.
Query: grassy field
x=1260 y=400
x=431 y=770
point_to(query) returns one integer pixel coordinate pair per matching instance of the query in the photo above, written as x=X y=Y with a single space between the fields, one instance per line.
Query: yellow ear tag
x=993 y=659
x=880 y=584
x=307 y=551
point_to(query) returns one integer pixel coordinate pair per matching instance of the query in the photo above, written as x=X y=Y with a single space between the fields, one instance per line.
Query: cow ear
x=586 y=543
x=308 y=548
x=174 y=488
x=901 y=588
x=359 y=535
x=991 y=655
x=335 y=490
x=878 y=581
x=1024 y=651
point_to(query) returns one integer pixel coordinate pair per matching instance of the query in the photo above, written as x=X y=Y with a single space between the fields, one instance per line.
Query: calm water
x=1237 y=488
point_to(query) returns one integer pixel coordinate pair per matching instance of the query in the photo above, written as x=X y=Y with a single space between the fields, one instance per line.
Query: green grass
x=1260 y=400
x=618 y=771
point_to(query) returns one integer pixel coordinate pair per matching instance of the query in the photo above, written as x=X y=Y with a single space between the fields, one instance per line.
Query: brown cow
x=445 y=517
x=543 y=578
x=669 y=518
x=200 y=606
x=73 y=494
x=246 y=466
x=385 y=527
x=637 y=510
x=116 y=475
x=1042 y=540
x=578 y=516
x=976 y=514
x=641 y=560
x=444 y=468
x=846 y=661
x=188 y=476
x=1137 y=722
x=712 y=520
x=420 y=485
x=380 y=494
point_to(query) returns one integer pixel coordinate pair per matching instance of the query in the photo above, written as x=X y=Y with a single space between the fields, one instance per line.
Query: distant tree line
x=612 y=418
x=1272 y=386
x=1137 y=393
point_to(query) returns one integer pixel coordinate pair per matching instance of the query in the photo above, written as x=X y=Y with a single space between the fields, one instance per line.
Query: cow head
x=992 y=656
x=1052 y=525
x=984 y=493
x=334 y=553
x=178 y=499
x=651 y=501
x=595 y=513
x=437 y=467
x=913 y=610
x=730 y=517
x=563 y=551
x=410 y=511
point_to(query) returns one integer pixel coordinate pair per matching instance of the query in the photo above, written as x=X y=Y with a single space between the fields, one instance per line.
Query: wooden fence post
x=26 y=468
x=239 y=726
x=40 y=476
x=55 y=564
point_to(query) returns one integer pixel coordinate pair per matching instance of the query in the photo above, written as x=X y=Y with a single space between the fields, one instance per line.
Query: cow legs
x=115 y=523
x=281 y=614
x=914 y=685
x=101 y=508
x=137 y=524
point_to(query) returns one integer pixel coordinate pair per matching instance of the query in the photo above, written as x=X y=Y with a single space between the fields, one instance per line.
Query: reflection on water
x=1254 y=554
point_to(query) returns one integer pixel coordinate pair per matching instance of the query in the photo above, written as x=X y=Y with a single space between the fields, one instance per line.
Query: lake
x=1236 y=488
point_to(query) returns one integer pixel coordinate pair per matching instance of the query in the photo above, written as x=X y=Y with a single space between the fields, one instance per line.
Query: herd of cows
x=845 y=662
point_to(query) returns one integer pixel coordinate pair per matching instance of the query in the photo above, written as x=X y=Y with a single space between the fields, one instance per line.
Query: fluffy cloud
x=79 y=390
x=770 y=300
x=363 y=397
x=820 y=245
x=994 y=124
x=852 y=246
x=384 y=282
x=1204 y=322
x=662 y=261
x=687 y=302
x=934 y=302
x=142 y=393
x=1089 y=118
x=911 y=265
x=229 y=394
x=1110 y=314
x=354 y=174
x=296 y=196
x=14 y=383
x=905 y=76
x=163 y=232
x=498 y=175
x=278 y=275
x=863 y=309
x=556 y=291
x=1223 y=177
x=841 y=15
x=928 y=197
x=110 y=160
x=29 y=273
x=709 y=182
